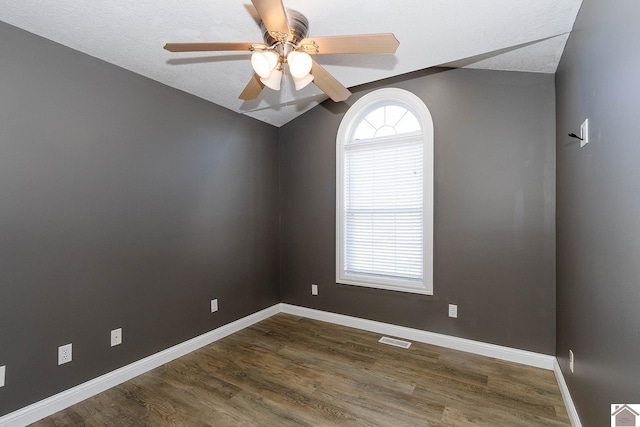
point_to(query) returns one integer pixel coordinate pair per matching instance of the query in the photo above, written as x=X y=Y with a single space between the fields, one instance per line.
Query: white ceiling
x=468 y=33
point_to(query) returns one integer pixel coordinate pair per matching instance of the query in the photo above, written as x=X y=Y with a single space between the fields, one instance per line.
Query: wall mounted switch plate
x=584 y=133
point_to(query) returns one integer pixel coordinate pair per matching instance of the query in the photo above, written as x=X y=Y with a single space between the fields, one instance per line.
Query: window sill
x=412 y=287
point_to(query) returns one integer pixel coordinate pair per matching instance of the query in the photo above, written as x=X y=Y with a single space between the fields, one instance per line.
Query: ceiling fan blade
x=253 y=89
x=362 y=43
x=273 y=16
x=329 y=85
x=208 y=47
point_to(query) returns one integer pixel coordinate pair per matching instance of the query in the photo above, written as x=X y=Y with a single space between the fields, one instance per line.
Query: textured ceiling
x=519 y=35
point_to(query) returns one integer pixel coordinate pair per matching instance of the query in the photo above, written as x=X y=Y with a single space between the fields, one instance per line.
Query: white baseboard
x=566 y=396
x=537 y=360
x=60 y=401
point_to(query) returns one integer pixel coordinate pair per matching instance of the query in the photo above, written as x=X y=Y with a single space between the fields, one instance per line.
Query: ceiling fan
x=286 y=42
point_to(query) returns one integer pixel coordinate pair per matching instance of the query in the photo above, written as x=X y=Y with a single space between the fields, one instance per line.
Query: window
x=384 y=176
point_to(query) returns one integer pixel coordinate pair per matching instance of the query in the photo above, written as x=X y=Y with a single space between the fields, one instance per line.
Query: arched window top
x=386 y=120
x=385 y=113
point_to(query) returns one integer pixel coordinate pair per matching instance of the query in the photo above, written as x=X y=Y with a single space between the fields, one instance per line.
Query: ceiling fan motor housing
x=298 y=24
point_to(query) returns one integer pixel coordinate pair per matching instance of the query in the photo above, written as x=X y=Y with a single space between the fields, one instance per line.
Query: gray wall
x=598 y=213
x=123 y=203
x=494 y=210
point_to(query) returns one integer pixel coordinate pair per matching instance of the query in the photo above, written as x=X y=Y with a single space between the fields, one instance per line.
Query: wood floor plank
x=293 y=371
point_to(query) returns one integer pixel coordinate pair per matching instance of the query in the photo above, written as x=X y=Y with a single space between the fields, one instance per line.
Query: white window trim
x=357 y=110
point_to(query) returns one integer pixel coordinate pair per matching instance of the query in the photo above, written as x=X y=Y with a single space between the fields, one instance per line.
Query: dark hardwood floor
x=288 y=370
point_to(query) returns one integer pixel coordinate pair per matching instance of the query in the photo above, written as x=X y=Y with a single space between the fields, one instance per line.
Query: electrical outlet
x=571 y=361
x=214 y=305
x=3 y=370
x=314 y=289
x=116 y=337
x=65 y=354
x=453 y=311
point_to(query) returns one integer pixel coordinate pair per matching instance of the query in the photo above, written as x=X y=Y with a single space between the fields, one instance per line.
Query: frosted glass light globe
x=274 y=79
x=302 y=82
x=263 y=62
x=299 y=64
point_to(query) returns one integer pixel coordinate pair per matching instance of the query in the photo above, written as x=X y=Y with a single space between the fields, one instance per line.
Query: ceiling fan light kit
x=286 y=42
x=268 y=65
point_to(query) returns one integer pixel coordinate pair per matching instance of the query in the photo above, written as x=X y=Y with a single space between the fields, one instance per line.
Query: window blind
x=383 y=208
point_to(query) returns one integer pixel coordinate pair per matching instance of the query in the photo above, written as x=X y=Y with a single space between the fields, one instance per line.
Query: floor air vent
x=395 y=342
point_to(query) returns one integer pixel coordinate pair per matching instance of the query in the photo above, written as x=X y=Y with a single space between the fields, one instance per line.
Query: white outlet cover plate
x=65 y=354
x=314 y=289
x=3 y=370
x=116 y=337
x=214 y=305
x=453 y=310
x=571 y=360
